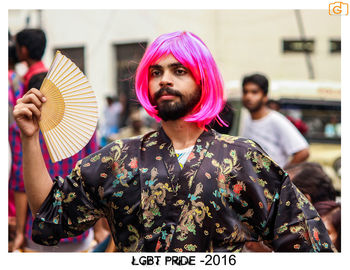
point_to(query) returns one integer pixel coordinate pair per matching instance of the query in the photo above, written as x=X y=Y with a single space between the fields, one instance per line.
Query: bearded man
x=183 y=187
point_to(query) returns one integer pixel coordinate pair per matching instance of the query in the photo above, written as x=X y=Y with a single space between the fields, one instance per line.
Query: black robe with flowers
x=228 y=192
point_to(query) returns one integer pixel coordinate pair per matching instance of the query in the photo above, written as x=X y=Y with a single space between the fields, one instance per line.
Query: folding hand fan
x=69 y=116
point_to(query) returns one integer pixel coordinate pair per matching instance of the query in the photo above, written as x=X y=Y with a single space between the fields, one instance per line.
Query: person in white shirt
x=270 y=129
x=110 y=125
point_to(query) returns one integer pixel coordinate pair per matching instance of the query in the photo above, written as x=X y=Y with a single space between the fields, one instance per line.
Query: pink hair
x=190 y=51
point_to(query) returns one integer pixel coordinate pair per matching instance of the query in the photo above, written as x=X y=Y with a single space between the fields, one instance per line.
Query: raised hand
x=27 y=112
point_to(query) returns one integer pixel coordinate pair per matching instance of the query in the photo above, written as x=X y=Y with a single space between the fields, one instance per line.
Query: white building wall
x=252 y=41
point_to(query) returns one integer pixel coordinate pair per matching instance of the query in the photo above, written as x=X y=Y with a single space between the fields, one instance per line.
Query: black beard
x=257 y=107
x=174 y=110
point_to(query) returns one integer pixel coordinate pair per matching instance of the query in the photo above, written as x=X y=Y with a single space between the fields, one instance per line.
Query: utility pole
x=40 y=22
x=303 y=39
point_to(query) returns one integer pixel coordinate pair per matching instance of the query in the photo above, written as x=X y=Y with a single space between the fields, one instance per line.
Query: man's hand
x=19 y=242
x=27 y=112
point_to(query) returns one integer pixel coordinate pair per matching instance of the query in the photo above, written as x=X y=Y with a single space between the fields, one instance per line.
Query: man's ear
x=24 y=52
x=265 y=99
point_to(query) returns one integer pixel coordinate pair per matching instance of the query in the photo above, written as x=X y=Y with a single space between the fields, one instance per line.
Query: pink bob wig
x=191 y=52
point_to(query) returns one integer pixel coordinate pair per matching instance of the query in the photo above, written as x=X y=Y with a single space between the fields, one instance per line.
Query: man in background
x=30 y=46
x=275 y=134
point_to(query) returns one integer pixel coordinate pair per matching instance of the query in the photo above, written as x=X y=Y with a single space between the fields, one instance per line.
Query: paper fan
x=69 y=116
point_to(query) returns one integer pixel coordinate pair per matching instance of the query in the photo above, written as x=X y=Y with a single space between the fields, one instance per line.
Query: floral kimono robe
x=228 y=192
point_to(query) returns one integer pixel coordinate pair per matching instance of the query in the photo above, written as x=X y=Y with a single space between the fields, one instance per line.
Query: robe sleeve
x=279 y=213
x=295 y=223
x=71 y=208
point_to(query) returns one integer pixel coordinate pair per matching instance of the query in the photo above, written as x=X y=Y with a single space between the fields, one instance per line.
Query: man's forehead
x=252 y=86
x=167 y=60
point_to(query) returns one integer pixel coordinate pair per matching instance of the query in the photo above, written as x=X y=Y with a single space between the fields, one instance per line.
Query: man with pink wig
x=181 y=188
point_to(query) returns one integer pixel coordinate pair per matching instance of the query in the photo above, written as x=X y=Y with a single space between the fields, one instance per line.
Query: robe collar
x=184 y=177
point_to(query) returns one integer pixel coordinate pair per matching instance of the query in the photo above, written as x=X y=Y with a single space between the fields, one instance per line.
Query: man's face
x=172 y=88
x=253 y=97
x=19 y=51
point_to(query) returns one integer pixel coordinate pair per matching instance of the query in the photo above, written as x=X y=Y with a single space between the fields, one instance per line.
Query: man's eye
x=180 y=71
x=155 y=73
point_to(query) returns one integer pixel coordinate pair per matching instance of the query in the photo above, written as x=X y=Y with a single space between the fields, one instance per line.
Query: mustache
x=167 y=90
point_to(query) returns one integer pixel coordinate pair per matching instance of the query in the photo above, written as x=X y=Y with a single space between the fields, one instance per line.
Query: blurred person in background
x=135 y=127
x=269 y=128
x=333 y=128
x=273 y=105
x=226 y=192
x=330 y=212
x=15 y=84
x=312 y=181
x=15 y=91
x=30 y=45
x=110 y=124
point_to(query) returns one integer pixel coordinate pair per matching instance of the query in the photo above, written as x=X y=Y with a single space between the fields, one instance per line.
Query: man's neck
x=260 y=113
x=182 y=134
x=31 y=62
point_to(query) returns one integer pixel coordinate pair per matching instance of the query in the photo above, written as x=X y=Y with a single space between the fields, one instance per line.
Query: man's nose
x=247 y=95
x=166 y=80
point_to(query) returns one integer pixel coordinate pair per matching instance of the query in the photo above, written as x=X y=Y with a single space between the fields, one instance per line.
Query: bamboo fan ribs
x=69 y=116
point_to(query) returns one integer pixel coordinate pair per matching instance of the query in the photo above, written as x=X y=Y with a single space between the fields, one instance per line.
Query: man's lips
x=166 y=97
x=247 y=103
x=166 y=94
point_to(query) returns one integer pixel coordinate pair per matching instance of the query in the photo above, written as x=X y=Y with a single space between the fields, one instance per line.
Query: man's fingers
x=19 y=101
x=37 y=93
x=32 y=98
x=27 y=110
x=22 y=111
x=34 y=109
x=32 y=101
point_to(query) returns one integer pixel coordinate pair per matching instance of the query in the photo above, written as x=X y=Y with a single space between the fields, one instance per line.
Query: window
x=75 y=54
x=322 y=118
x=298 y=46
x=128 y=57
x=334 y=46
